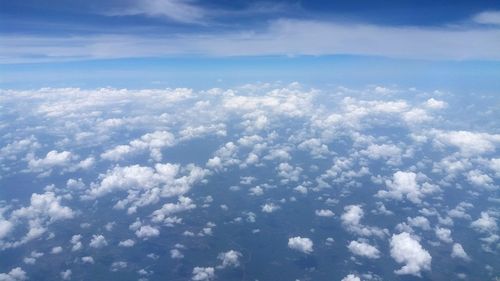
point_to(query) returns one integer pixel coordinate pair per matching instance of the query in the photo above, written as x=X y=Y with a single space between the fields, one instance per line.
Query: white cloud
x=304 y=245
x=351 y=277
x=176 y=254
x=147 y=231
x=279 y=37
x=15 y=274
x=351 y=219
x=385 y=151
x=56 y=250
x=485 y=224
x=66 y=275
x=269 y=207
x=405 y=185
x=324 y=213
x=51 y=160
x=154 y=142
x=407 y=250
x=435 y=104
x=444 y=234
x=98 y=241
x=184 y=204
x=88 y=259
x=127 y=243
x=419 y=221
x=176 y=10
x=203 y=273
x=469 y=143
x=230 y=258
x=364 y=249
x=478 y=178
x=459 y=252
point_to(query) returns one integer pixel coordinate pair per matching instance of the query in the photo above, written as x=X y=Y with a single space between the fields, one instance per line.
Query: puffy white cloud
x=52 y=159
x=301 y=244
x=384 y=151
x=351 y=219
x=154 y=142
x=98 y=241
x=5 y=227
x=419 y=221
x=407 y=250
x=324 y=213
x=127 y=243
x=405 y=185
x=15 y=274
x=351 y=277
x=88 y=259
x=269 y=207
x=459 y=252
x=46 y=205
x=485 y=224
x=469 y=143
x=146 y=185
x=56 y=250
x=363 y=249
x=435 y=104
x=184 y=204
x=478 y=178
x=203 y=273
x=147 y=231
x=230 y=258
x=315 y=147
x=444 y=234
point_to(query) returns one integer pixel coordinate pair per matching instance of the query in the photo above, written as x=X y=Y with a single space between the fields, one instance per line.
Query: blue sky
x=65 y=39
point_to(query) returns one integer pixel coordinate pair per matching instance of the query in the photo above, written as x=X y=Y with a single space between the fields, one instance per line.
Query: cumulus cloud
x=154 y=142
x=404 y=185
x=351 y=219
x=230 y=258
x=269 y=207
x=468 y=143
x=485 y=223
x=98 y=241
x=147 y=231
x=351 y=277
x=407 y=250
x=15 y=274
x=203 y=273
x=162 y=214
x=324 y=213
x=459 y=252
x=444 y=234
x=363 y=249
x=301 y=244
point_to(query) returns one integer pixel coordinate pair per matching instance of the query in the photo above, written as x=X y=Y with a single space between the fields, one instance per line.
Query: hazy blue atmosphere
x=249 y=140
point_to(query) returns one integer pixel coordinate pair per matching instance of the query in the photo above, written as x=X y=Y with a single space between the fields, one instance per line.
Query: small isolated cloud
x=270 y=207
x=147 y=231
x=16 y=274
x=98 y=241
x=351 y=277
x=407 y=250
x=459 y=252
x=324 y=213
x=66 y=275
x=229 y=259
x=435 y=104
x=444 y=234
x=176 y=254
x=203 y=274
x=304 y=245
x=364 y=249
x=127 y=243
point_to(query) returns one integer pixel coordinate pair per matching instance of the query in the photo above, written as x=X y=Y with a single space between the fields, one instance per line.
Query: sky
x=244 y=140
x=61 y=42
